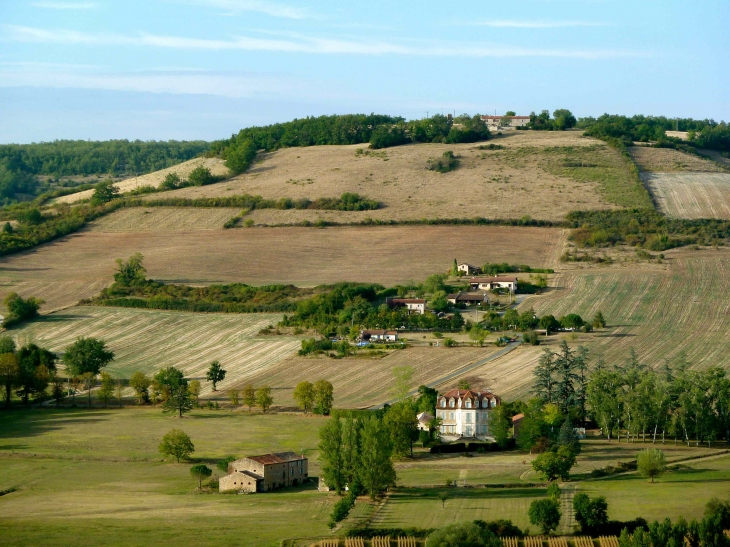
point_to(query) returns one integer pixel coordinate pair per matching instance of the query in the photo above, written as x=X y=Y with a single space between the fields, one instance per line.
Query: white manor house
x=466 y=413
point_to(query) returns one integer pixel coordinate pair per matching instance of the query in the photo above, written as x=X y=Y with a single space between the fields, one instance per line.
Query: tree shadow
x=22 y=423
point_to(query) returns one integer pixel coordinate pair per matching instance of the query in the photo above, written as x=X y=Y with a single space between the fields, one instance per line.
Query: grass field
x=98 y=476
x=669 y=160
x=217 y=168
x=260 y=256
x=147 y=340
x=659 y=314
x=363 y=382
x=691 y=195
x=510 y=183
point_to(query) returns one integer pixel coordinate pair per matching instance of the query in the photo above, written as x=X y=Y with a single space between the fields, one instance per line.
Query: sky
x=203 y=69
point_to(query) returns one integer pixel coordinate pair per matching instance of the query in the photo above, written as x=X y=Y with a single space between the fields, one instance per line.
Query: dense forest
x=20 y=163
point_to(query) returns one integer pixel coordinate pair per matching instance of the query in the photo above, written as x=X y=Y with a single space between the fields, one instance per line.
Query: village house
x=468 y=269
x=424 y=421
x=466 y=412
x=413 y=305
x=517 y=424
x=265 y=473
x=379 y=335
x=468 y=298
x=489 y=283
x=495 y=122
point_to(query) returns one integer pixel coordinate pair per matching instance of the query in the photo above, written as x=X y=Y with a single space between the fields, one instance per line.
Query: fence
x=533 y=541
x=354 y=542
x=511 y=542
x=557 y=542
x=583 y=541
x=608 y=541
x=381 y=541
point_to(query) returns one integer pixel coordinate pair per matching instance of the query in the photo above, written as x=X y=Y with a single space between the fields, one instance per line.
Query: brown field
x=691 y=195
x=667 y=160
x=259 y=256
x=661 y=314
x=523 y=179
x=145 y=219
x=363 y=382
x=216 y=166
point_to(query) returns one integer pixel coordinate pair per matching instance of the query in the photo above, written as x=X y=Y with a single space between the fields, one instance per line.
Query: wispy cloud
x=258 y=6
x=64 y=5
x=533 y=24
x=312 y=45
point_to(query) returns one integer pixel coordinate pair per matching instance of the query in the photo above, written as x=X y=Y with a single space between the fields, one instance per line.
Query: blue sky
x=202 y=69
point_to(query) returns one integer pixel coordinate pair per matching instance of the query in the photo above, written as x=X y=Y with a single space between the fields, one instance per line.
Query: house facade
x=265 y=473
x=379 y=335
x=489 y=283
x=413 y=305
x=495 y=122
x=466 y=412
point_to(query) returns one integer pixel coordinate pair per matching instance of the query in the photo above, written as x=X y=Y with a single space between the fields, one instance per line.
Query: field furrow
x=691 y=195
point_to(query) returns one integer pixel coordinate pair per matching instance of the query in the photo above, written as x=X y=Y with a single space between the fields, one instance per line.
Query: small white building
x=489 y=283
x=466 y=412
x=413 y=305
x=379 y=335
x=468 y=269
x=424 y=421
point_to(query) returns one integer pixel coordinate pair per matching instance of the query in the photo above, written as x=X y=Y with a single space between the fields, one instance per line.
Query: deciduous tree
x=304 y=395
x=331 y=454
x=106 y=390
x=200 y=472
x=651 y=463
x=323 y=396
x=376 y=470
x=215 y=373
x=249 y=396
x=545 y=514
x=176 y=443
x=140 y=384
x=264 y=398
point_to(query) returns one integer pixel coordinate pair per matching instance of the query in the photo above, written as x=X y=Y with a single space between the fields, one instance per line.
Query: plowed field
x=660 y=314
x=691 y=195
x=260 y=256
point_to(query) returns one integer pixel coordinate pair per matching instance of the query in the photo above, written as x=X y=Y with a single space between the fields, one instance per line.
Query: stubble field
x=84 y=262
x=661 y=314
x=147 y=340
x=669 y=160
x=691 y=195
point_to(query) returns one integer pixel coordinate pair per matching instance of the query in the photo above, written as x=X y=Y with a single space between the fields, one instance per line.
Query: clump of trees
x=562 y=119
x=317 y=397
x=20 y=309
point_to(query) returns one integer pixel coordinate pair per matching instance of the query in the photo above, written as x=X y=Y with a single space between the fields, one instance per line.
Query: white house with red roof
x=497 y=282
x=466 y=412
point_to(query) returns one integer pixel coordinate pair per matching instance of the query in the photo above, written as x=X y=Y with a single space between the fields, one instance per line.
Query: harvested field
x=216 y=166
x=363 y=382
x=660 y=314
x=144 y=219
x=145 y=340
x=523 y=178
x=668 y=159
x=260 y=256
x=691 y=195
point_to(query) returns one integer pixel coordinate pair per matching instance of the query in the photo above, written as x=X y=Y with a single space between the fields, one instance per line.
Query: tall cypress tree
x=545 y=377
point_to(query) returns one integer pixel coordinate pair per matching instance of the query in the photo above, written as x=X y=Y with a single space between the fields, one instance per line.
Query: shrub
x=546 y=514
x=530 y=337
x=590 y=514
x=447 y=162
x=200 y=176
x=341 y=509
x=553 y=491
x=651 y=463
x=463 y=533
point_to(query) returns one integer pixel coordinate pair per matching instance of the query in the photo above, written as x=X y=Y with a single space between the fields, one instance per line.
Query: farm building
x=489 y=283
x=379 y=335
x=413 y=305
x=264 y=473
x=468 y=298
x=495 y=122
x=517 y=424
x=468 y=269
x=466 y=412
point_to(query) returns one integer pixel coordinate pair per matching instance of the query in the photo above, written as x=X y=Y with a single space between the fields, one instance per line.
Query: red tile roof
x=279 y=457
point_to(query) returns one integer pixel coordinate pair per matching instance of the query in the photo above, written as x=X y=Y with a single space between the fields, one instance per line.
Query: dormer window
x=494 y=403
x=451 y=402
x=468 y=403
x=443 y=401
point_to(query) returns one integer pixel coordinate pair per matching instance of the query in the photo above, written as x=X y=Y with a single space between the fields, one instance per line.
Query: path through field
x=660 y=314
x=145 y=340
x=691 y=195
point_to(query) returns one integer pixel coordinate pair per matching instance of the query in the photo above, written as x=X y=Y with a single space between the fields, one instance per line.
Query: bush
x=341 y=509
x=385 y=136
x=447 y=162
x=463 y=534
x=651 y=463
x=530 y=337
x=590 y=514
x=311 y=345
x=553 y=491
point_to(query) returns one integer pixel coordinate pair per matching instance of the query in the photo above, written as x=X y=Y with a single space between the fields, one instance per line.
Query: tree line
x=20 y=162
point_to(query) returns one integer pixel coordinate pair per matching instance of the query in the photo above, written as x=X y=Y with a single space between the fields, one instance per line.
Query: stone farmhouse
x=495 y=122
x=489 y=283
x=379 y=335
x=466 y=413
x=468 y=298
x=413 y=305
x=265 y=473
